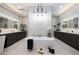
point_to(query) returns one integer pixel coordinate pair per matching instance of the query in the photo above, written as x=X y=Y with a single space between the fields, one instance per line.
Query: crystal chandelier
x=40 y=9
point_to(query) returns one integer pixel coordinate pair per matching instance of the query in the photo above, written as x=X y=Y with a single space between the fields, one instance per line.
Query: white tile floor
x=20 y=48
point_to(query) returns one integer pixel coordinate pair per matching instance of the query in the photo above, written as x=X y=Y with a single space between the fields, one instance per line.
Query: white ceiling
x=56 y=7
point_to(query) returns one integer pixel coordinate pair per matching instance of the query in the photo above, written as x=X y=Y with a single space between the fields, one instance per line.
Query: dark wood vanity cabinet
x=78 y=44
x=12 y=38
x=68 y=38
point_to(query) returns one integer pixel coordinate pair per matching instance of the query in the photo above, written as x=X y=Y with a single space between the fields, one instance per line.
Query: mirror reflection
x=6 y=23
x=71 y=23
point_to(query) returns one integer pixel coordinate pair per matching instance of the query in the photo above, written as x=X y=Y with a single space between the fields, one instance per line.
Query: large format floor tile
x=20 y=48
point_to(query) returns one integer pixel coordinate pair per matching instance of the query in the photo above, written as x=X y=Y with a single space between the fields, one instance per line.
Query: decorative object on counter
x=57 y=29
x=72 y=30
x=51 y=50
x=23 y=27
x=0 y=31
x=58 y=24
x=40 y=51
x=49 y=34
x=30 y=44
x=54 y=25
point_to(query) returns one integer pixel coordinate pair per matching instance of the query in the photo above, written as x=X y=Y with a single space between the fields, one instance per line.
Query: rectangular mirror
x=3 y=23
x=71 y=23
x=64 y=24
x=6 y=23
x=75 y=22
x=15 y=24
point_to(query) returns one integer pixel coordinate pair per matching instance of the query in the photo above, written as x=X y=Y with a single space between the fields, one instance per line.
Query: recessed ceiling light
x=19 y=7
x=61 y=7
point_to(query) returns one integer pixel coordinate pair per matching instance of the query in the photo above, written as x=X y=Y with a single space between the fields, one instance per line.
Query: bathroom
x=39 y=28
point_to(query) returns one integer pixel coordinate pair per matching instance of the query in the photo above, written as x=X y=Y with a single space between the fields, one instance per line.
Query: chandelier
x=40 y=9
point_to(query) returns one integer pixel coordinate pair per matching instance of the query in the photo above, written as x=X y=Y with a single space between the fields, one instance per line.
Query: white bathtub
x=42 y=42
